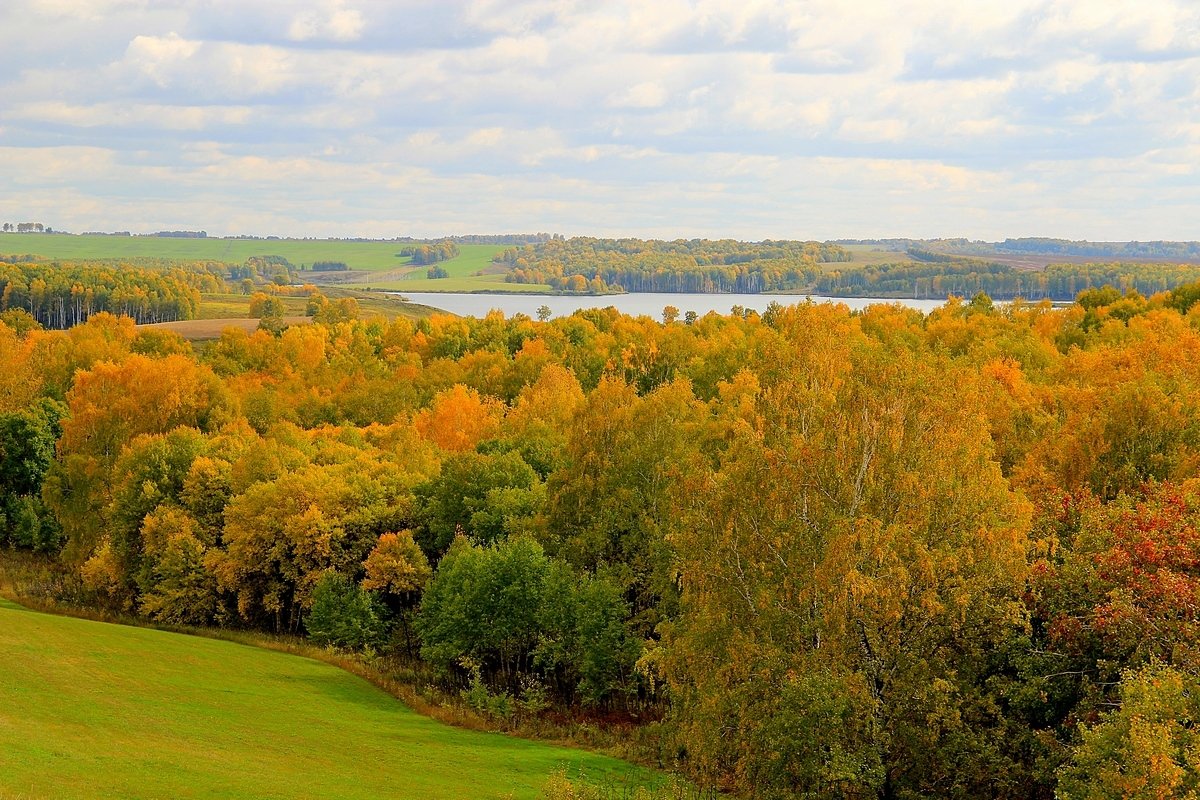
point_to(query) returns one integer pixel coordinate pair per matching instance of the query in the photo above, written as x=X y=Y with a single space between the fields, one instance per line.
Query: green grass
x=463 y=277
x=370 y=304
x=862 y=254
x=95 y=710
x=471 y=259
x=371 y=256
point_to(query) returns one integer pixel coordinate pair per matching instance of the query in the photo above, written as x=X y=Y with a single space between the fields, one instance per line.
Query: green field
x=870 y=254
x=379 y=257
x=464 y=277
x=370 y=304
x=371 y=256
x=94 y=710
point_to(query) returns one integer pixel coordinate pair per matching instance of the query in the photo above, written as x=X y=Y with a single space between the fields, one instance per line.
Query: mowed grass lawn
x=94 y=710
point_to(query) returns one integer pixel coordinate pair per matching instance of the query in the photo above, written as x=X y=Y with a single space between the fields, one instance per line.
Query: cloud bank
x=813 y=118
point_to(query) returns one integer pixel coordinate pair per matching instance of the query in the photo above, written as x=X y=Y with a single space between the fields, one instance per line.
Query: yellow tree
x=459 y=418
x=845 y=567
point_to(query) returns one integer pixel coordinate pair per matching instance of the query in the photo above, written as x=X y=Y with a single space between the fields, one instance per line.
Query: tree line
x=939 y=275
x=61 y=295
x=696 y=265
x=1107 y=250
x=879 y=554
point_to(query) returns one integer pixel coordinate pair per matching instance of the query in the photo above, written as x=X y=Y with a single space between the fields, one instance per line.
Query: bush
x=343 y=615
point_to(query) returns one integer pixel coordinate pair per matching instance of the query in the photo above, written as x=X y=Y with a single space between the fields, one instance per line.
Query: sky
x=812 y=119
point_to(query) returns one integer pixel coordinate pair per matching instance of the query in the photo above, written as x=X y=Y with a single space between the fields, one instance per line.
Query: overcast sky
x=807 y=119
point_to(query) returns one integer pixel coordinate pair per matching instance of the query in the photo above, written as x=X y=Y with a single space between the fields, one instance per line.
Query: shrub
x=344 y=615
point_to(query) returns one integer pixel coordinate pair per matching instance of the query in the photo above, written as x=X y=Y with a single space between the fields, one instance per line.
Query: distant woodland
x=706 y=266
x=696 y=265
x=60 y=296
x=828 y=554
x=1106 y=250
x=938 y=276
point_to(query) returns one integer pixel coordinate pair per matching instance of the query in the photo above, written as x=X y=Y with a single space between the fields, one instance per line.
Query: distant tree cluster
x=26 y=227
x=261 y=268
x=182 y=234
x=64 y=294
x=939 y=275
x=329 y=266
x=696 y=265
x=1114 y=250
x=933 y=256
x=430 y=253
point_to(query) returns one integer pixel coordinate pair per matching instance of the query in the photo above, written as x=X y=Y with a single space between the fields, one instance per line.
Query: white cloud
x=647 y=94
x=332 y=22
x=158 y=57
x=703 y=116
x=166 y=117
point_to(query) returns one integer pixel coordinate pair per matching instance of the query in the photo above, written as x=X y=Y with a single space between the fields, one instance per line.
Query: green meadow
x=95 y=710
x=394 y=272
x=371 y=256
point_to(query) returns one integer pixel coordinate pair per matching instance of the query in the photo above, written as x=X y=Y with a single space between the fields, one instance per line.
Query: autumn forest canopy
x=830 y=554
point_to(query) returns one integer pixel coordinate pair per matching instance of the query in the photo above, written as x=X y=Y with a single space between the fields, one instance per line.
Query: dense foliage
x=695 y=265
x=1172 y=250
x=422 y=254
x=878 y=554
x=61 y=295
x=937 y=275
x=634 y=265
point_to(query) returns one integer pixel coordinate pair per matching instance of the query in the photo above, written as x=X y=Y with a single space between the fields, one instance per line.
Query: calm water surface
x=648 y=303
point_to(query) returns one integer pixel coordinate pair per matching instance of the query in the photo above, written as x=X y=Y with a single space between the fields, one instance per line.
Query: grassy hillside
x=89 y=709
x=371 y=256
x=370 y=304
x=357 y=255
x=394 y=273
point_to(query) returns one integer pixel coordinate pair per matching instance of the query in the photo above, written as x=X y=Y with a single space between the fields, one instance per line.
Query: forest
x=58 y=295
x=815 y=553
x=704 y=266
x=938 y=275
x=1118 y=250
x=695 y=265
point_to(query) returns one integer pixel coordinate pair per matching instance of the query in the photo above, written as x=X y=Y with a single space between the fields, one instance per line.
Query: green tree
x=27 y=441
x=344 y=615
x=487 y=497
x=1148 y=749
x=483 y=604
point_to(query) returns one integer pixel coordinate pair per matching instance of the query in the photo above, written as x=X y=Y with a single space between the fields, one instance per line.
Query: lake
x=642 y=303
